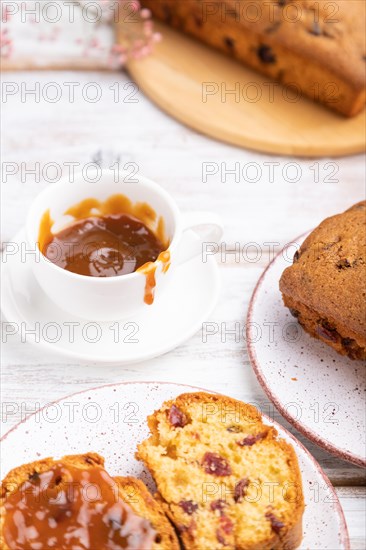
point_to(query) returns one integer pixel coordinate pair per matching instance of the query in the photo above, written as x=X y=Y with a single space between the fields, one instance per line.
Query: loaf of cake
x=73 y=503
x=224 y=478
x=316 y=47
x=325 y=288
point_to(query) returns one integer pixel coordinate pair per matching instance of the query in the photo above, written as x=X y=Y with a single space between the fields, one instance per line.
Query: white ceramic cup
x=122 y=296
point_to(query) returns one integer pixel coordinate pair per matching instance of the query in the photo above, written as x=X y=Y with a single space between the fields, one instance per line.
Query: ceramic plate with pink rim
x=111 y=420
x=319 y=391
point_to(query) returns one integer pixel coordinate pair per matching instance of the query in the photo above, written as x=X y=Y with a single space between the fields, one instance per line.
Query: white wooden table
x=261 y=212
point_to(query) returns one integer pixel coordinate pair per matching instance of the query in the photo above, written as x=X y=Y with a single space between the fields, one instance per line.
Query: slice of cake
x=325 y=288
x=316 y=47
x=224 y=478
x=74 y=503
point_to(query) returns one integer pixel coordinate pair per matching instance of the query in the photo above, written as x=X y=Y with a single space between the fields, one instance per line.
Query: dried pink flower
x=6 y=44
x=137 y=32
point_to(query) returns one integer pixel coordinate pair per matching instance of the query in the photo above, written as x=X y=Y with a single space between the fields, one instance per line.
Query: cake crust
x=325 y=288
x=316 y=47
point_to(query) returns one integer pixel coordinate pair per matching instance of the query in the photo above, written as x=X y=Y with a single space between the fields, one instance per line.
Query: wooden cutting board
x=192 y=83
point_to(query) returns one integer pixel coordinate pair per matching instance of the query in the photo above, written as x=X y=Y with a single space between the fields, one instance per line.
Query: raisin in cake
x=315 y=46
x=325 y=288
x=139 y=522
x=224 y=478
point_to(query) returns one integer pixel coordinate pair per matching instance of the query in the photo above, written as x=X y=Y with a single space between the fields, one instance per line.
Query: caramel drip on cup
x=45 y=234
x=149 y=270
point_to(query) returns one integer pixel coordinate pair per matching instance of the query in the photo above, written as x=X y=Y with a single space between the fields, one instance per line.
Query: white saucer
x=319 y=391
x=176 y=315
x=111 y=420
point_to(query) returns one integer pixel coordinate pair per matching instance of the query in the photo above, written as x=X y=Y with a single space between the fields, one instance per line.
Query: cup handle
x=199 y=228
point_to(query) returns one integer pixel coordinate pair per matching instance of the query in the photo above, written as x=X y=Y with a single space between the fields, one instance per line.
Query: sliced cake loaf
x=41 y=505
x=316 y=47
x=325 y=288
x=224 y=478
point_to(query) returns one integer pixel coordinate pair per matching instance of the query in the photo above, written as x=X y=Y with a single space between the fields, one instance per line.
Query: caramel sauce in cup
x=107 y=239
x=68 y=508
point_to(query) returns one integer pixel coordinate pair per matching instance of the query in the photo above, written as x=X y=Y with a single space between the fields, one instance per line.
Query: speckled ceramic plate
x=111 y=420
x=319 y=391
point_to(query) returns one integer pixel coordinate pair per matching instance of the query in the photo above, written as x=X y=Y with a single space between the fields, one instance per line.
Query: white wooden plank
x=353 y=503
x=265 y=211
